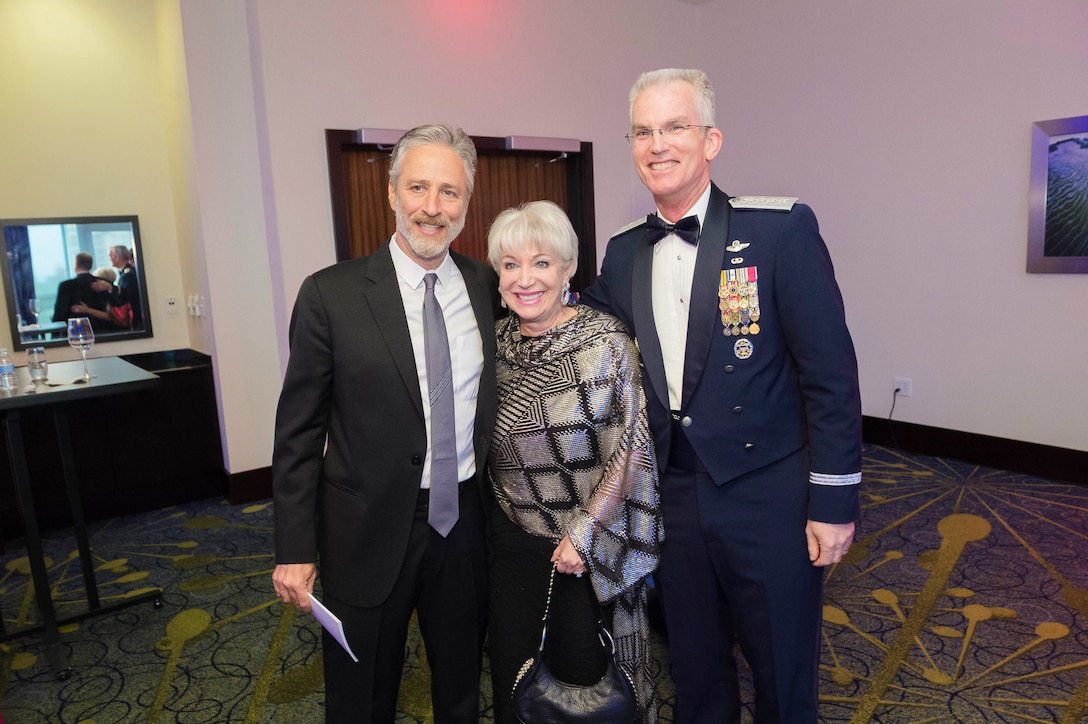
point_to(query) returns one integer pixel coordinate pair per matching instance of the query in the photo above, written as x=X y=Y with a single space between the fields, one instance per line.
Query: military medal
x=727 y=299
x=753 y=286
x=723 y=301
x=742 y=348
x=734 y=302
x=753 y=296
x=738 y=301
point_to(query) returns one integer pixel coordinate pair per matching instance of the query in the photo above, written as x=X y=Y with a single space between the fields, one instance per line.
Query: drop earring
x=502 y=302
x=565 y=298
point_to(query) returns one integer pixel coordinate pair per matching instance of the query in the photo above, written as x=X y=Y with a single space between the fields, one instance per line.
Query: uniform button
x=729 y=368
x=685 y=421
x=417 y=460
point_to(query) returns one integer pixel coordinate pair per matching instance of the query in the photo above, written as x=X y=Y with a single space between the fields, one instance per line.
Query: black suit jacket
x=799 y=385
x=76 y=290
x=352 y=381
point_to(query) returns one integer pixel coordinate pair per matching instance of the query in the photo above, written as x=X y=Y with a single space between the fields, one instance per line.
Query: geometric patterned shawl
x=573 y=455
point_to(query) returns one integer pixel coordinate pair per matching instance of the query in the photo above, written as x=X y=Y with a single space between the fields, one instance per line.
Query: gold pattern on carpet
x=963 y=599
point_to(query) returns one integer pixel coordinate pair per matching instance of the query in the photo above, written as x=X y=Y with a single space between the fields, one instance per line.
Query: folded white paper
x=332 y=624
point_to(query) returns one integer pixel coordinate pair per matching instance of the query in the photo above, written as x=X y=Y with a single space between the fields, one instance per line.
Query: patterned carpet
x=964 y=599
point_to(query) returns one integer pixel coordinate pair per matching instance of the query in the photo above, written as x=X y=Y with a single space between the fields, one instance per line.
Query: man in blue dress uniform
x=752 y=389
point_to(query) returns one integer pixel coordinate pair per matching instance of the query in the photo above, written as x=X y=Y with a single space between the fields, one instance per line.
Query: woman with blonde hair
x=572 y=469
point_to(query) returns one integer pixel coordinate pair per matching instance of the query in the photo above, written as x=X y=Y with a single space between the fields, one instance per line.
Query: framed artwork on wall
x=1058 y=203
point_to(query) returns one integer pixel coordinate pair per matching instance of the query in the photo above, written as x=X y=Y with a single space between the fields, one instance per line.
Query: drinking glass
x=36 y=364
x=81 y=336
x=35 y=307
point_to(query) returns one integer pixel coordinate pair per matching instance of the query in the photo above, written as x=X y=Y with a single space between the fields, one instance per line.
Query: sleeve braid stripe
x=835 y=480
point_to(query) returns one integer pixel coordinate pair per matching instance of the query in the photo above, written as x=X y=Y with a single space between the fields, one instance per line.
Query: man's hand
x=101 y=285
x=567 y=558
x=828 y=542
x=293 y=581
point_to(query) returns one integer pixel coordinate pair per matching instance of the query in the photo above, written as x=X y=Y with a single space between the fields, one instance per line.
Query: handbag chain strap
x=603 y=634
x=547 y=607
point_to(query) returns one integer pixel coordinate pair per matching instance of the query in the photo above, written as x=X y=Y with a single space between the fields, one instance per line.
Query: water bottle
x=7 y=370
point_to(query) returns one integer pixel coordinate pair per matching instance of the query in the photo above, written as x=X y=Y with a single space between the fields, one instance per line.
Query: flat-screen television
x=84 y=266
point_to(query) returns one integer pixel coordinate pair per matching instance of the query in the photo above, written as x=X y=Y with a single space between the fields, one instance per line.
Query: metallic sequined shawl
x=573 y=454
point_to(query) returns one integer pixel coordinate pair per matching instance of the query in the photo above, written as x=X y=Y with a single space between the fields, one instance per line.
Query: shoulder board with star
x=763 y=203
x=630 y=227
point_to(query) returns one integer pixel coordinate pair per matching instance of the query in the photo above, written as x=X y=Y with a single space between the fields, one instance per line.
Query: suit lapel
x=642 y=312
x=383 y=295
x=704 y=312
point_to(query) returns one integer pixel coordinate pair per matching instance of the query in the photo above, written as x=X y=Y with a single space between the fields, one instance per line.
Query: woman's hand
x=81 y=308
x=567 y=558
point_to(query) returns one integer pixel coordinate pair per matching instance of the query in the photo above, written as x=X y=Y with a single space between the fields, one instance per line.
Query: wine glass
x=35 y=307
x=81 y=336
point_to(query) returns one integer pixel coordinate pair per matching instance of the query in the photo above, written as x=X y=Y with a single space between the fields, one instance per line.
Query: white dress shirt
x=673 y=272
x=466 y=349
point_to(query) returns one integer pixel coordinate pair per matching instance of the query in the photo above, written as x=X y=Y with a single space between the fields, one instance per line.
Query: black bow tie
x=686 y=228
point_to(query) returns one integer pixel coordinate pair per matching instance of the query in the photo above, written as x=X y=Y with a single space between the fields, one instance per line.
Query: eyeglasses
x=645 y=135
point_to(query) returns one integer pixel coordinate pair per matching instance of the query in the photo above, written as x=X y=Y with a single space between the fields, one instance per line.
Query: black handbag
x=538 y=697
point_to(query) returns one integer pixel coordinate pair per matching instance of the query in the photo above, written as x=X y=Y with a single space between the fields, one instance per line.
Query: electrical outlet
x=903 y=386
x=171 y=305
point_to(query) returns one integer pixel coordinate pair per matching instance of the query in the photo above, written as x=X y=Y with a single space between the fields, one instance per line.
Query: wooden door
x=363 y=220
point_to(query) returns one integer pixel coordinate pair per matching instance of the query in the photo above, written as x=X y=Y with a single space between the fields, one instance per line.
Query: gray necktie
x=442 y=514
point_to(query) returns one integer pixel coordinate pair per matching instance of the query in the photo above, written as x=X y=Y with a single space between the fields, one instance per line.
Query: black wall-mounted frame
x=39 y=254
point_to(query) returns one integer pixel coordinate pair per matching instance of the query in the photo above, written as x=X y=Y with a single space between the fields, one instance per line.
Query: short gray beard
x=423 y=247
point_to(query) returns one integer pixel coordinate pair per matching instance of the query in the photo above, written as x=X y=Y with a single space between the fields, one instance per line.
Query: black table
x=112 y=375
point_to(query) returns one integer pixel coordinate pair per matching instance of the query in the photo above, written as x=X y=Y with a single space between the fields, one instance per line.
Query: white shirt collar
x=411 y=273
x=698 y=209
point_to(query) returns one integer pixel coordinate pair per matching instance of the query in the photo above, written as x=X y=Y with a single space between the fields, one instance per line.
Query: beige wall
x=906 y=124
x=84 y=132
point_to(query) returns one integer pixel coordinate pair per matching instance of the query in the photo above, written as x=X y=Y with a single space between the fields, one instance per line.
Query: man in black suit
x=353 y=448
x=752 y=393
x=80 y=290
